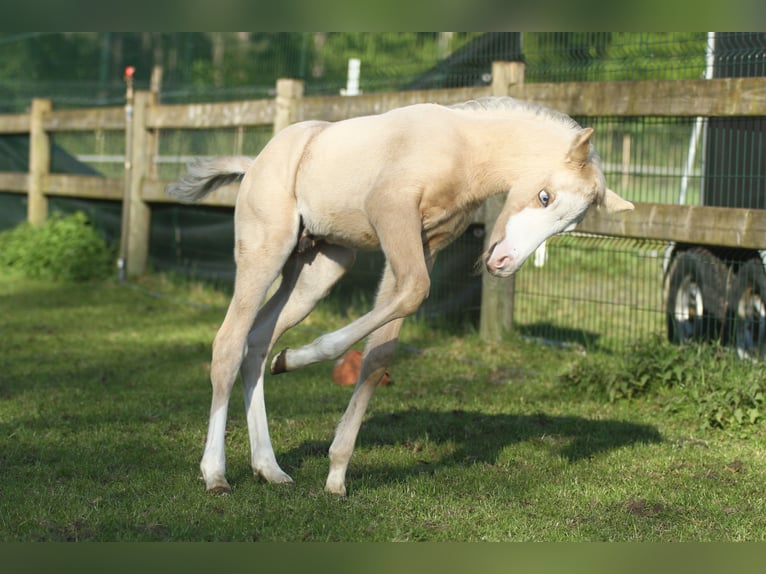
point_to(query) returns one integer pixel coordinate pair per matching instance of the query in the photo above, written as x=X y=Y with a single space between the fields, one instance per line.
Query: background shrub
x=61 y=249
x=721 y=390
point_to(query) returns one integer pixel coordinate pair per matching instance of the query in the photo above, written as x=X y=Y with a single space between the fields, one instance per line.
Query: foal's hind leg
x=262 y=248
x=307 y=278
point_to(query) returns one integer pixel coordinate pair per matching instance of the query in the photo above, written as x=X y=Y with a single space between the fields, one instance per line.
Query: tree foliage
x=87 y=68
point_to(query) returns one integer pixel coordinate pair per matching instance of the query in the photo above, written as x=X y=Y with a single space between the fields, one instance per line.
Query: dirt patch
x=641 y=507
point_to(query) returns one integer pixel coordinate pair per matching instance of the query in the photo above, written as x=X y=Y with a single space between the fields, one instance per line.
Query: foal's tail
x=205 y=175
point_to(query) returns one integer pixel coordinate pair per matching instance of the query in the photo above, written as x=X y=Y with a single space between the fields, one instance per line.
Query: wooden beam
x=39 y=162
x=138 y=212
x=719 y=97
x=154 y=192
x=216 y=115
x=289 y=94
x=85 y=186
x=14 y=181
x=498 y=295
x=86 y=119
x=14 y=124
x=335 y=108
x=724 y=226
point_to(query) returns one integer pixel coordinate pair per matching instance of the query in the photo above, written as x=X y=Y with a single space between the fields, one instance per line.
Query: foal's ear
x=614 y=203
x=579 y=152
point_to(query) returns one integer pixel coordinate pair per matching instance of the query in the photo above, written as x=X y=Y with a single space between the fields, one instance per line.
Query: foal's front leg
x=377 y=354
x=380 y=348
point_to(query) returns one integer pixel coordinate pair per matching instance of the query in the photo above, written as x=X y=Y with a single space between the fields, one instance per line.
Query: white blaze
x=526 y=230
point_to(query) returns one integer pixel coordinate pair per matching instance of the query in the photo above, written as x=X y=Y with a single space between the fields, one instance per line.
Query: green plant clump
x=64 y=248
x=723 y=392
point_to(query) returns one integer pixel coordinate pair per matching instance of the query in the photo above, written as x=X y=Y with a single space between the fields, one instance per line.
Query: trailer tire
x=747 y=305
x=696 y=297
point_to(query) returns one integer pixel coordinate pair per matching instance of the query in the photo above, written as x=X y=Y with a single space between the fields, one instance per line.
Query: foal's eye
x=544 y=198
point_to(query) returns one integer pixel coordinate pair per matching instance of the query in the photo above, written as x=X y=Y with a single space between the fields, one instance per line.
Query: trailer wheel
x=748 y=310
x=696 y=297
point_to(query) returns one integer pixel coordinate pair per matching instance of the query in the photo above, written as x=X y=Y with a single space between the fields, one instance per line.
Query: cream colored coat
x=406 y=182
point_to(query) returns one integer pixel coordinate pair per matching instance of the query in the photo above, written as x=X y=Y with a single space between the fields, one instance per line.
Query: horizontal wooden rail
x=719 y=97
x=154 y=192
x=14 y=124
x=14 y=181
x=89 y=119
x=335 y=108
x=686 y=98
x=724 y=226
x=214 y=115
x=84 y=186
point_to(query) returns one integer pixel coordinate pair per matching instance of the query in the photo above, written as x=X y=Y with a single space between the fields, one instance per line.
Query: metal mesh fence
x=612 y=56
x=599 y=291
x=592 y=291
x=604 y=291
x=647 y=158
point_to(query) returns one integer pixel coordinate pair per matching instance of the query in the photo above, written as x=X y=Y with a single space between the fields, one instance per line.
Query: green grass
x=103 y=407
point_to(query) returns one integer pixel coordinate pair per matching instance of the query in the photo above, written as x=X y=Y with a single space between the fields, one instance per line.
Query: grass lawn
x=104 y=396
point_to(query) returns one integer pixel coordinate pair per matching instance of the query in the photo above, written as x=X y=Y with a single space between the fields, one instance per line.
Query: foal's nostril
x=499 y=263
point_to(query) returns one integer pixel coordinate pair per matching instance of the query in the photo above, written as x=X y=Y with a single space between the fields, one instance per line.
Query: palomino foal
x=406 y=182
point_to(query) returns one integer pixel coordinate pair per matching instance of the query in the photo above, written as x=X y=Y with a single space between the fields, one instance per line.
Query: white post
x=699 y=123
x=352 y=80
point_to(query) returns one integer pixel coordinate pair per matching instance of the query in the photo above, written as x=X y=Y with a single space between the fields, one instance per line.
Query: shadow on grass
x=556 y=334
x=480 y=437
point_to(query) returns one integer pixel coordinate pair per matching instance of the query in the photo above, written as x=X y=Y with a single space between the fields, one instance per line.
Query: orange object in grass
x=346 y=370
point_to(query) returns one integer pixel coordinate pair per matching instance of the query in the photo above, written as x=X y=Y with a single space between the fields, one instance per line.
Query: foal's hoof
x=279 y=364
x=338 y=490
x=273 y=475
x=339 y=493
x=220 y=490
x=215 y=480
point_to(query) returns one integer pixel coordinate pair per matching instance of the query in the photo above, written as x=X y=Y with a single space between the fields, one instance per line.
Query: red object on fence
x=129 y=71
x=346 y=370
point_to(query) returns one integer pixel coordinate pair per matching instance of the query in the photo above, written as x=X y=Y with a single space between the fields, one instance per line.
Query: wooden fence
x=143 y=116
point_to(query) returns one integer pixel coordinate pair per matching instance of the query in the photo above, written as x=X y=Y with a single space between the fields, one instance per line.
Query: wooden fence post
x=39 y=162
x=288 y=93
x=497 y=294
x=138 y=214
x=626 y=140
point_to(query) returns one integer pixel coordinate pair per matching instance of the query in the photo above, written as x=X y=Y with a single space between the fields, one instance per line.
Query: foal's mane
x=513 y=107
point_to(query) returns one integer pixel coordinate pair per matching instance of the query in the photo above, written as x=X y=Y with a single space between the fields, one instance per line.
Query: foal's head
x=550 y=199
